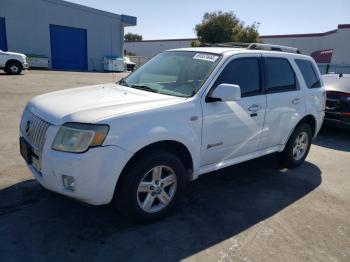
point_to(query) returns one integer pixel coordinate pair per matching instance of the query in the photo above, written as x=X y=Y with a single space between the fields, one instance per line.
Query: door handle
x=296 y=101
x=254 y=108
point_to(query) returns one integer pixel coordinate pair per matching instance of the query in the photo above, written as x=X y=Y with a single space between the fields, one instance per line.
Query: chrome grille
x=33 y=129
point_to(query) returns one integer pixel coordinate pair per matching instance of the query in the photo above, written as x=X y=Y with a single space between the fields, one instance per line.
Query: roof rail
x=280 y=48
x=255 y=46
x=227 y=44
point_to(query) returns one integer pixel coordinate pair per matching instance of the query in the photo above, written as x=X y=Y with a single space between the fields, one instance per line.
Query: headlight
x=78 y=138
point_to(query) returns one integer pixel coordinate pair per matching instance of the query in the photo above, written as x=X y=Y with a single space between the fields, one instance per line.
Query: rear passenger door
x=285 y=100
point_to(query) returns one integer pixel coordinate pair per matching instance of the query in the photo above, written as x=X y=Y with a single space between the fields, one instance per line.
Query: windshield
x=173 y=73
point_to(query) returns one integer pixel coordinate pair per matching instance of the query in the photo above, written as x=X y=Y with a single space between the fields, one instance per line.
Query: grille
x=33 y=129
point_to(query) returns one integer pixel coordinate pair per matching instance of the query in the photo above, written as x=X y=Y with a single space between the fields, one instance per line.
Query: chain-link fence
x=333 y=68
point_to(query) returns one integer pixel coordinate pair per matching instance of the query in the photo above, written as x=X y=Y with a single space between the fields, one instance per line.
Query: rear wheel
x=151 y=187
x=13 y=68
x=297 y=147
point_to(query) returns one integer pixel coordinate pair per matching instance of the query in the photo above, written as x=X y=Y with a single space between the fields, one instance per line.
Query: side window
x=280 y=76
x=308 y=71
x=243 y=72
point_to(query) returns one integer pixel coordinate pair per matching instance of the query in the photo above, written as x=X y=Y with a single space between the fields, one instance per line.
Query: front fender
x=134 y=132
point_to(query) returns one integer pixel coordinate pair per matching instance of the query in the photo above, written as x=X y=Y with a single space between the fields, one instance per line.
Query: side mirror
x=225 y=92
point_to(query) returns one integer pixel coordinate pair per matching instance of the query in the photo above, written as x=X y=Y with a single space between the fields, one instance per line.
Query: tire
x=13 y=68
x=297 y=147
x=140 y=198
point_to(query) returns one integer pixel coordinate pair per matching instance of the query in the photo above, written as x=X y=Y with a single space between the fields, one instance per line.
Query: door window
x=244 y=72
x=280 y=76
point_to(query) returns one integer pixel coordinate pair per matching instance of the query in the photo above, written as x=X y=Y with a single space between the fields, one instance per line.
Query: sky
x=163 y=19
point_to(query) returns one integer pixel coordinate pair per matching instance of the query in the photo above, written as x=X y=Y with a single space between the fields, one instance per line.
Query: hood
x=333 y=82
x=92 y=104
x=13 y=53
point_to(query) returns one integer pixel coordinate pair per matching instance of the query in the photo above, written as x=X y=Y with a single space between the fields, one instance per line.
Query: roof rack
x=255 y=46
x=280 y=48
x=227 y=44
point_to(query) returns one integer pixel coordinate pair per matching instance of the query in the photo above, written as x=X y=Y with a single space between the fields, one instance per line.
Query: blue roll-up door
x=3 y=41
x=68 y=48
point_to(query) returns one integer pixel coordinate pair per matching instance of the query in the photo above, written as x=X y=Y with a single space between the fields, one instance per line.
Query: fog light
x=68 y=182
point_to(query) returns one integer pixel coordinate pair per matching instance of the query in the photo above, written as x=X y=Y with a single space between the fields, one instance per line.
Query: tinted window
x=243 y=72
x=308 y=72
x=279 y=75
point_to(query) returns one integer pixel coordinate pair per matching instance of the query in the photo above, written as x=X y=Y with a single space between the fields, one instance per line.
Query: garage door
x=3 y=41
x=68 y=48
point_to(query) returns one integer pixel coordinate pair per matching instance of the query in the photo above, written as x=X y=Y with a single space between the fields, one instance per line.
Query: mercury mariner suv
x=186 y=112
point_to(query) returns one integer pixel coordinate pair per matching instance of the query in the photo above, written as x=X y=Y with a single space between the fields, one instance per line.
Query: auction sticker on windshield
x=206 y=57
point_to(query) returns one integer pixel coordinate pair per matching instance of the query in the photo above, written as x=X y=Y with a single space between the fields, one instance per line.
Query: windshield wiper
x=146 y=88
x=123 y=82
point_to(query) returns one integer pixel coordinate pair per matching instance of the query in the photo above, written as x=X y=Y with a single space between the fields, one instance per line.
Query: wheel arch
x=172 y=146
x=14 y=61
x=309 y=119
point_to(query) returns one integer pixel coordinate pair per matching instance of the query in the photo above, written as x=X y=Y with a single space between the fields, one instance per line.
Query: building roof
x=340 y=26
x=125 y=19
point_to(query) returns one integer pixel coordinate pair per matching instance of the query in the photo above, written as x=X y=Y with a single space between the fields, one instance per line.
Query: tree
x=221 y=27
x=132 y=37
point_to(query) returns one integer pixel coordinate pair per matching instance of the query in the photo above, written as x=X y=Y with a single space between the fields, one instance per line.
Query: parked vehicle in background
x=338 y=99
x=114 y=64
x=130 y=66
x=13 y=63
x=185 y=113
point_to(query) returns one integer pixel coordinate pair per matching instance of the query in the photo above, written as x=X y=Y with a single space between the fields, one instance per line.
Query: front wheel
x=151 y=187
x=13 y=68
x=297 y=147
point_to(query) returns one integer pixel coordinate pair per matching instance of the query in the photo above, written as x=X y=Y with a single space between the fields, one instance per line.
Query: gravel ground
x=254 y=211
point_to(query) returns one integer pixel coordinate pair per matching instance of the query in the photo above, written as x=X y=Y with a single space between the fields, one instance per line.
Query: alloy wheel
x=156 y=189
x=300 y=146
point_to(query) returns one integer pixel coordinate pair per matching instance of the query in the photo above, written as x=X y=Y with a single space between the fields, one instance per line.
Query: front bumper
x=337 y=119
x=95 y=172
x=25 y=65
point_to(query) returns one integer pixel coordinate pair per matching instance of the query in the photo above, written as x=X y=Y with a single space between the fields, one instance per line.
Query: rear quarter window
x=309 y=73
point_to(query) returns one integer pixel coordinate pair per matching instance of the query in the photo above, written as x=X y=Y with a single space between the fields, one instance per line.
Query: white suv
x=184 y=113
x=13 y=63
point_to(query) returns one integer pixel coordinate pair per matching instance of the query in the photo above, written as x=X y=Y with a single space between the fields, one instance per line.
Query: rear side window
x=280 y=76
x=244 y=72
x=308 y=71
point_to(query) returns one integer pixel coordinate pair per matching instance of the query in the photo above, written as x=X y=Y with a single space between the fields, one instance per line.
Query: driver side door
x=233 y=128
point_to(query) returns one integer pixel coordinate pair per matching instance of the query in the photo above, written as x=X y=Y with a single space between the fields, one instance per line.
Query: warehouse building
x=71 y=36
x=150 y=48
x=331 y=49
